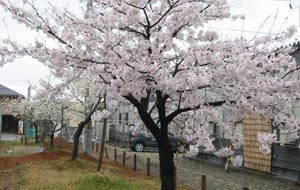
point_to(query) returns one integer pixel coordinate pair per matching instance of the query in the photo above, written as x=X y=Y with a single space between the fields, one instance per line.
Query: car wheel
x=181 y=148
x=139 y=147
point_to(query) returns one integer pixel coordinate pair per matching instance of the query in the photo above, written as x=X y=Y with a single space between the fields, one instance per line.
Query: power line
x=292 y=7
x=248 y=31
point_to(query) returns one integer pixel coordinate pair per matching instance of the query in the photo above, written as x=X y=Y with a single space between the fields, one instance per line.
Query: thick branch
x=88 y=117
x=144 y=115
x=172 y=115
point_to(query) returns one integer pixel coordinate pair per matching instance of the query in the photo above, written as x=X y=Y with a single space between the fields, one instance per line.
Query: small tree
x=89 y=95
x=52 y=110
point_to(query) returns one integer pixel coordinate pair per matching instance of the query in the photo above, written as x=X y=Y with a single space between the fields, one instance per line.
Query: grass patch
x=80 y=175
x=13 y=178
x=10 y=143
x=113 y=182
x=10 y=149
x=73 y=175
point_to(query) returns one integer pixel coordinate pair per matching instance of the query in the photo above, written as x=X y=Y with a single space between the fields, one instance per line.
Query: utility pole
x=291 y=5
x=88 y=131
x=100 y=161
x=61 y=124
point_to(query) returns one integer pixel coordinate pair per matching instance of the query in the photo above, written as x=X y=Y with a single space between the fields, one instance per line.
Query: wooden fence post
x=106 y=153
x=175 y=177
x=97 y=147
x=148 y=166
x=203 y=182
x=115 y=155
x=124 y=156
x=134 y=162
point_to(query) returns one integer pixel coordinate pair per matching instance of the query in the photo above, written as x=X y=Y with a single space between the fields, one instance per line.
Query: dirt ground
x=12 y=168
x=10 y=162
x=62 y=143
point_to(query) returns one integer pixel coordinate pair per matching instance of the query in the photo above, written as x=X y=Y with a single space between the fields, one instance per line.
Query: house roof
x=6 y=92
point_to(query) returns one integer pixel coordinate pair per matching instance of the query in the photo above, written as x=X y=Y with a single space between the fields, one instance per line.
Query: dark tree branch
x=176 y=69
x=179 y=101
x=205 y=8
x=60 y=128
x=291 y=71
x=165 y=14
x=144 y=115
x=104 y=80
x=152 y=108
x=178 y=30
x=172 y=115
x=145 y=100
x=134 y=6
x=128 y=29
x=202 y=65
x=50 y=31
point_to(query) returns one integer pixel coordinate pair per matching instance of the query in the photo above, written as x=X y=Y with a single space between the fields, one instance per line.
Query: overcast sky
x=25 y=71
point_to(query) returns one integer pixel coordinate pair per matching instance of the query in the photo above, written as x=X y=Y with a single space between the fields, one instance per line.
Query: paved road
x=9 y=137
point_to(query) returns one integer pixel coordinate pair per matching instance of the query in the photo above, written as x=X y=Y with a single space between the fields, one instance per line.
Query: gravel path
x=189 y=172
x=20 y=150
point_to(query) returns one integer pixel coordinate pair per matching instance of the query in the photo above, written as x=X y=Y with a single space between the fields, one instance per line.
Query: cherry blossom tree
x=53 y=110
x=83 y=96
x=40 y=109
x=162 y=48
x=88 y=94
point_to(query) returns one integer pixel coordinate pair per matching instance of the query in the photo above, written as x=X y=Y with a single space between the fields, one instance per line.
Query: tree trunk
x=76 y=140
x=36 y=132
x=79 y=130
x=51 y=138
x=167 y=167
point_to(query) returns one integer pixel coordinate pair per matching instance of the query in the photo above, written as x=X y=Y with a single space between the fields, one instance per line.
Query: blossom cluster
x=265 y=140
